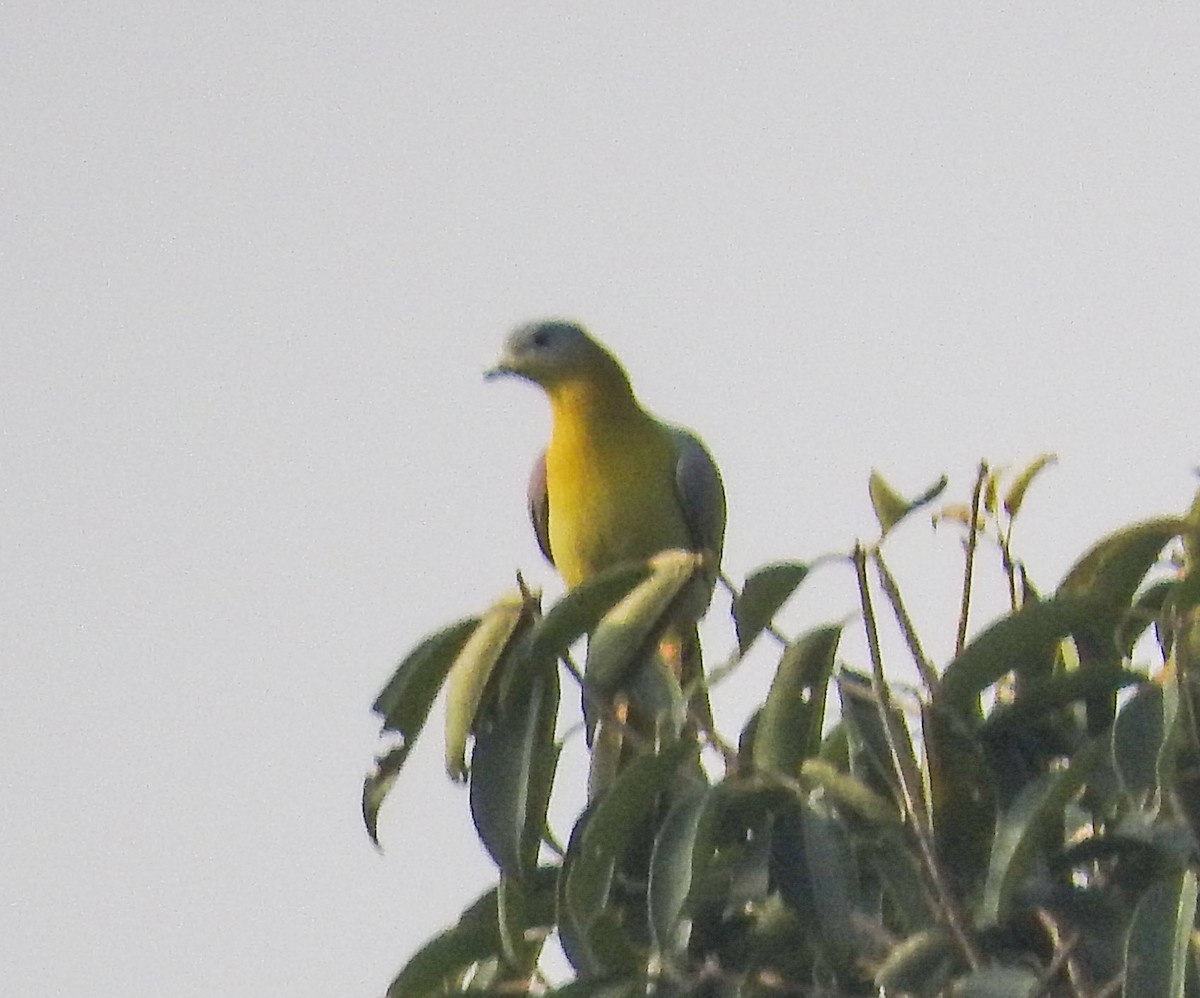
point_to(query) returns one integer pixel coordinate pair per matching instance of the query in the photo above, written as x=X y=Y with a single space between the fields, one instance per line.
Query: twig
x=911 y=799
x=972 y=539
x=928 y=674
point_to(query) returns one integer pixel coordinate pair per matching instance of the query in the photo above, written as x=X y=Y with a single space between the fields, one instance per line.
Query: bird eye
x=541 y=337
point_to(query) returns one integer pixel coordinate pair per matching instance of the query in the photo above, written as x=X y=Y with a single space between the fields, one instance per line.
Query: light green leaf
x=1016 y=492
x=471 y=671
x=671 y=869
x=1157 y=951
x=621 y=639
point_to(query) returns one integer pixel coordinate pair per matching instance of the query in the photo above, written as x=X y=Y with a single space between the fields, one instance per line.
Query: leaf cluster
x=1025 y=823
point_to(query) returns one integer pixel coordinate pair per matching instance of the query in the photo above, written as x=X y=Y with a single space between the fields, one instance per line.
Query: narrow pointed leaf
x=916 y=964
x=961 y=794
x=671 y=870
x=1137 y=740
x=831 y=872
x=765 y=591
x=1016 y=492
x=470 y=673
x=1157 y=952
x=378 y=785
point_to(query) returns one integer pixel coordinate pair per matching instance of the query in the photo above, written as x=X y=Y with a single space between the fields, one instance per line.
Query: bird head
x=555 y=353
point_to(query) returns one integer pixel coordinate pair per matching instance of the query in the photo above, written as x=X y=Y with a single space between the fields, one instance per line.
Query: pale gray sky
x=253 y=259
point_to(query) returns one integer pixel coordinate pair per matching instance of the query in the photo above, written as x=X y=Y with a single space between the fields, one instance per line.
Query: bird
x=616 y=484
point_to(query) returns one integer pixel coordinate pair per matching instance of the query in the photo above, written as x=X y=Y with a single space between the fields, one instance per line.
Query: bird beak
x=498 y=371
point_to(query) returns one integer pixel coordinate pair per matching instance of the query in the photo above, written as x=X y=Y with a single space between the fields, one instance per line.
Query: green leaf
x=764 y=592
x=918 y=964
x=891 y=507
x=789 y=727
x=1011 y=643
x=476 y=937
x=622 y=638
x=1137 y=738
x=1157 y=951
x=471 y=671
x=1112 y=570
x=962 y=795
x=870 y=755
x=378 y=785
x=671 y=869
x=405 y=701
x=998 y=982
x=1030 y=829
x=1045 y=695
x=1016 y=492
x=512 y=765
x=849 y=793
x=603 y=833
x=581 y=609
x=831 y=872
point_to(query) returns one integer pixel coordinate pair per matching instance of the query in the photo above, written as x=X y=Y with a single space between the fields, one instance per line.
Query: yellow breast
x=612 y=494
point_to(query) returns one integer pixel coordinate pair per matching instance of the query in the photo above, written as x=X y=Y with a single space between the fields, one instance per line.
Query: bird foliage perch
x=615 y=485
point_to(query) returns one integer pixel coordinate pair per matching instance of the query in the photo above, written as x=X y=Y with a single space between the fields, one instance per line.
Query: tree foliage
x=1025 y=822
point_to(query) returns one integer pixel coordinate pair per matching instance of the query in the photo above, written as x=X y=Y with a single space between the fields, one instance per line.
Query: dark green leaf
x=405 y=701
x=1030 y=829
x=512 y=761
x=378 y=784
x=831 y=871
x=870 y=756
x=1045 y=695
x=606 y=829
x=1157 y=952
x=765 y=591
x=474 y=938
x=961 y=792
x=789 y=727
x=849 y=793
x=1137 y=737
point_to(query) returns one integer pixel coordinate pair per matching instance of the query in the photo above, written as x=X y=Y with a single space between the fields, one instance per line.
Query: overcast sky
x=253 y=260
